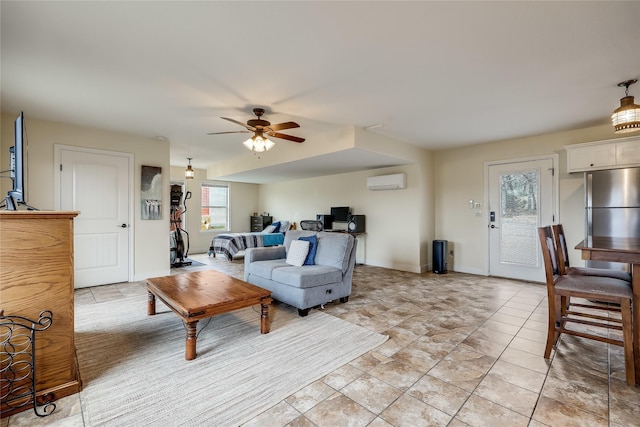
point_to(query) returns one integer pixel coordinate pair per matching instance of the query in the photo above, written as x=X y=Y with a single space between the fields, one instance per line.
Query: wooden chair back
x=549 y=254
x=561 y=248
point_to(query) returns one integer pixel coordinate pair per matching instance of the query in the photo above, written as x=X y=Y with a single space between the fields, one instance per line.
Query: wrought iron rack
x=18 y=363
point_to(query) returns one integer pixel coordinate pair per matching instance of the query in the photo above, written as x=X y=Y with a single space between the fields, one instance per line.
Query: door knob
x=493 y=226
x=124 y=226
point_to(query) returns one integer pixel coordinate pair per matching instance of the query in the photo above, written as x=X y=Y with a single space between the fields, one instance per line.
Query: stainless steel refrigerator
x=612 y=206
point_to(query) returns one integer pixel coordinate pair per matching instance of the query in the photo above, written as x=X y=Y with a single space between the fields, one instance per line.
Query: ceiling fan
x=261 y=129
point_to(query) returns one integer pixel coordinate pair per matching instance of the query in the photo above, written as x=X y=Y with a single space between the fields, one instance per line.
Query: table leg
x=151 y=304
x=635 y=277
x=190 y=350
x=264 y=319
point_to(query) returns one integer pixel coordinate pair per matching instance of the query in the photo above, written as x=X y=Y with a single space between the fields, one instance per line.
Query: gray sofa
x=328 y=279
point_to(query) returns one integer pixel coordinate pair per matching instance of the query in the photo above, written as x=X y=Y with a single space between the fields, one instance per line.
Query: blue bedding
x=273 y=239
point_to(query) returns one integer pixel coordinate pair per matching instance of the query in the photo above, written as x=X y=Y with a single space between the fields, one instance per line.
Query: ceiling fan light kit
x=259 y=142
x=626 y=118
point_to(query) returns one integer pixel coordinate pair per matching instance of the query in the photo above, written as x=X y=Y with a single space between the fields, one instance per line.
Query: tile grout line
x=498 y=358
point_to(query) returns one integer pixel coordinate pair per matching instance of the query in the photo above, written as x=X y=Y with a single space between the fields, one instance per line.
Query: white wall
x=151 y=238
x=459 y=177
x=396 y=220
x=400 y=224
x=243 y=201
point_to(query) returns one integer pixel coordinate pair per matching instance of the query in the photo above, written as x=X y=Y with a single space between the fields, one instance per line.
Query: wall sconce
x=189 y=172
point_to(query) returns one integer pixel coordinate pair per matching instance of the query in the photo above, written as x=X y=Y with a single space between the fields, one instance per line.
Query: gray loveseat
x=308 y=286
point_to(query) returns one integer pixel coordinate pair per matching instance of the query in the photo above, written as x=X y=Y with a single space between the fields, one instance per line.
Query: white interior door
x=97 y=185
x=521 y=198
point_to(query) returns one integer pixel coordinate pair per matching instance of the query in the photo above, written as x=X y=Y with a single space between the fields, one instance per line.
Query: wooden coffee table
x=203 y=294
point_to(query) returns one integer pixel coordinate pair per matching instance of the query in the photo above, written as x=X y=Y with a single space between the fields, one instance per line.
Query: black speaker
x=326 y=220
x=356 y=224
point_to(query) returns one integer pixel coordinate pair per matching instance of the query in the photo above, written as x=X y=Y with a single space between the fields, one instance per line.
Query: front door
x=96 y=184
x=521 y=199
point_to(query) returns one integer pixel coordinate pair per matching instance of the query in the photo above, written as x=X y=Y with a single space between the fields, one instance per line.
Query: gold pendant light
x=189 y=173
x=626 y=118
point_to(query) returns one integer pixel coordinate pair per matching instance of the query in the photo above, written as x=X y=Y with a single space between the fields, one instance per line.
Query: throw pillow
x=277 y=226
x=269 y=229
x=313 y=246
x=298 y=250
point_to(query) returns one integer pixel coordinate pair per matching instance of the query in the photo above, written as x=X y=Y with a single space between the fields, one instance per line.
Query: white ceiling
x=432 y=74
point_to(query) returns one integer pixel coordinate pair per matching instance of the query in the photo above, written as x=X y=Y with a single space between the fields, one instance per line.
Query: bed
x=229 y=244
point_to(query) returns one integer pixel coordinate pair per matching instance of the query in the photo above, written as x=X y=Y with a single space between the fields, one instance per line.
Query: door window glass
x=519 y=212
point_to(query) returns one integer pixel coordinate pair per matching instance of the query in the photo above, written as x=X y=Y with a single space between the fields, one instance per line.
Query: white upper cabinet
x=609 y=154
x=628 y=153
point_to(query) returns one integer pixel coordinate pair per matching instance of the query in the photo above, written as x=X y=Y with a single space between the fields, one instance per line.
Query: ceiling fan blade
x=251 y=128
x=221 y=133
x=288 y=137
x=282 y=126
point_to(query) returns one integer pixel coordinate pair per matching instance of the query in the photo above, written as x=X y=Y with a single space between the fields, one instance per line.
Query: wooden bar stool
x=565 y=268
x=561 y=287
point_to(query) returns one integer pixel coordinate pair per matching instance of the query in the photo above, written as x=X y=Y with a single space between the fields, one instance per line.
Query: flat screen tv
x=340 y=214
x=18 y=159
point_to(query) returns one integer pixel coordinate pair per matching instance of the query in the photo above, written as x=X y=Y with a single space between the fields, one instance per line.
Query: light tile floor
x=463 y=350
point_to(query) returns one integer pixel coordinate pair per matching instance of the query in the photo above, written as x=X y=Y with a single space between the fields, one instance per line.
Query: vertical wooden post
x=151 y=304
x=190 y=350
x=264 y=319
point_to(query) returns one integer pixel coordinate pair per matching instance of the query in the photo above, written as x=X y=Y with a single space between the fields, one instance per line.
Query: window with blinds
x=214 y=207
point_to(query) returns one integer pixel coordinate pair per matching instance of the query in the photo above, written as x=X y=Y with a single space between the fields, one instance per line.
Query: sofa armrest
x=263 y=254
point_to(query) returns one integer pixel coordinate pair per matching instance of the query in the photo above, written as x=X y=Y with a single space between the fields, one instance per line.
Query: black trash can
x=440 y=252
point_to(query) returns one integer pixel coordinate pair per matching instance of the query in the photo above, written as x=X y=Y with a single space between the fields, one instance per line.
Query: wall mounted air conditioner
x=387 y=182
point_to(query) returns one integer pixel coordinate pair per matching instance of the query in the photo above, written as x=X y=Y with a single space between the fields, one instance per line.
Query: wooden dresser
x=36 y=274
x=260 y=222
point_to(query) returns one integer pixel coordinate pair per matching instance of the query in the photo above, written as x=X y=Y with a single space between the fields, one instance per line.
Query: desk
x=620 y=249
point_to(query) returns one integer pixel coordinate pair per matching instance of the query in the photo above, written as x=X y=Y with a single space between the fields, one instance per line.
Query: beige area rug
x=134 y=372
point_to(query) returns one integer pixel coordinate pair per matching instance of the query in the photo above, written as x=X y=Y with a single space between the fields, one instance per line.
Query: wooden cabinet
x=609 y=154
x=258 y=223
x=36 y=274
